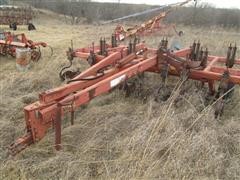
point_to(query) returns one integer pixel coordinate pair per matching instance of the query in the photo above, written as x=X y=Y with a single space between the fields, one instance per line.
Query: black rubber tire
x=31 y=27
x=14 y=26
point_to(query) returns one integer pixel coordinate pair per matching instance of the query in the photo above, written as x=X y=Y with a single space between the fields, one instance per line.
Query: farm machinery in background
x=14 y=16
x=153 y=25
x=9 y=42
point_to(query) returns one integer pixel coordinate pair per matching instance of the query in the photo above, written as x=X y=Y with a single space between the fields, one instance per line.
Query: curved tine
x=40 y=53
x=51 y=50
x=37 y=49
x=61 y=72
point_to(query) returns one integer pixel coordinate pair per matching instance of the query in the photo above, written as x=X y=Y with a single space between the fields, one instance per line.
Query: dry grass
x=116 y=137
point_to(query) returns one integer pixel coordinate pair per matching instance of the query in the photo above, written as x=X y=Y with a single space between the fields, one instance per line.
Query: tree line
x=201 y=15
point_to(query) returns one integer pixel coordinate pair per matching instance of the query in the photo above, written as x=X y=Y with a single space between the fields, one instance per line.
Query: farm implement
x=93 y=55
x=14 y=16
x=120 y=34
x=113 y=66
x=151 y=26
x=9 y=42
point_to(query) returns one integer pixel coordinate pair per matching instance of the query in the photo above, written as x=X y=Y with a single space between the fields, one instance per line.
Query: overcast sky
x=217 y=3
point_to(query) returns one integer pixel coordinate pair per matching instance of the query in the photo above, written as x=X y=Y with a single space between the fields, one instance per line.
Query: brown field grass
x=116 y=137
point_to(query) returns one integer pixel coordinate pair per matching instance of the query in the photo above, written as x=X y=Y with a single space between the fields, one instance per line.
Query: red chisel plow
x=9 y=42
x=113 y=66
x=151 y=26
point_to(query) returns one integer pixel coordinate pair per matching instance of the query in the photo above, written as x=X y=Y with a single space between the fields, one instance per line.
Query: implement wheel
x=13 y=26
